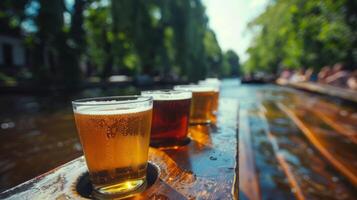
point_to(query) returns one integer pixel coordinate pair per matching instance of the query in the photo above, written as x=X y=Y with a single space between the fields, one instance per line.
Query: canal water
x=38 y=133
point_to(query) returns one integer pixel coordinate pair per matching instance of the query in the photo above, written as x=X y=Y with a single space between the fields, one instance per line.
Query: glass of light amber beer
x=202 y=102
x=115 y=134
x=171 y=113
x=216 y=84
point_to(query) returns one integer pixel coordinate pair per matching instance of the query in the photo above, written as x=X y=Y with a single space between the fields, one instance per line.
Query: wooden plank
x=337 y=125
x=343 y=166
x=282 y=162
x=248 y=179
x=57 y=183
x=273 y=183
x=235 y=189
x=338 y=111
x=204 y=169
x=339 y=117
x=314 y=175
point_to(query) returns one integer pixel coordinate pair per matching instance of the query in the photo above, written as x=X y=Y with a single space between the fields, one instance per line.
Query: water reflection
x=200 y=142
x=201 y=134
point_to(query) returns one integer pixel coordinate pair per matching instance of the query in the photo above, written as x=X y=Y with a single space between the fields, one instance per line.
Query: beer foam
x=195 y=88
x=209 y=83
x=110 y=109
x=160 y=95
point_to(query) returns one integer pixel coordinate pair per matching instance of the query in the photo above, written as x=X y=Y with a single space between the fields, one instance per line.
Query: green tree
x=12 y=14
x=302 y=33
x=231 y=65
x=132 y=37
x=57 y=48
x=154 y=37
x=213 y=53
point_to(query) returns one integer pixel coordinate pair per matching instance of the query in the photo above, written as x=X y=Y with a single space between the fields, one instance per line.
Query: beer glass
x=115 y=132
x=216 y=84
x=202 y=102
x=171 y=113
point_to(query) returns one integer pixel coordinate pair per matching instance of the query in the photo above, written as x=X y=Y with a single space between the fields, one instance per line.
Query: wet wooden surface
x=297 y=146
x=206 y=168
x=248 y=179
x=328 y=147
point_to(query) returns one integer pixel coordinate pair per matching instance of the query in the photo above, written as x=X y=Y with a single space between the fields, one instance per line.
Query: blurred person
x=338 y=77
x=286 y=74
x=284 y=77
x=298 y=76
x=352 y=81
x=309 y=75
x=323 y=74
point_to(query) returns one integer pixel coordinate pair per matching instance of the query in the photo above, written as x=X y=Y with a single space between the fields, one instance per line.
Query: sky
x=229 y=19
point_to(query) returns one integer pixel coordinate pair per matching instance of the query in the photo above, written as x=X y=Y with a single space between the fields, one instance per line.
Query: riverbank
x=113 y=82
x=346 y=94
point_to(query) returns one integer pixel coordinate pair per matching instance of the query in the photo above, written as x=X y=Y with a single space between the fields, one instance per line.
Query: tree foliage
x=68 y=42
x=303 y=33
x=231 y=64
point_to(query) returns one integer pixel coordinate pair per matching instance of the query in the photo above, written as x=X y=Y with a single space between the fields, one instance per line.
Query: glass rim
x=168 y=94
x=108 y=100
x=196 y=88
x=205 y=82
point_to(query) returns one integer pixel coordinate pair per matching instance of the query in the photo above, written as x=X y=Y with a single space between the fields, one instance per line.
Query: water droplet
x=59 y=144
x=77 y=147
x=212 y=158
x=334 y=179
x=343 y=113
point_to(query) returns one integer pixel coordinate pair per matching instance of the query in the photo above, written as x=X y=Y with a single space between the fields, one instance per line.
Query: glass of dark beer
x=114 y=133
x=202 y=102
x=170 y=116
